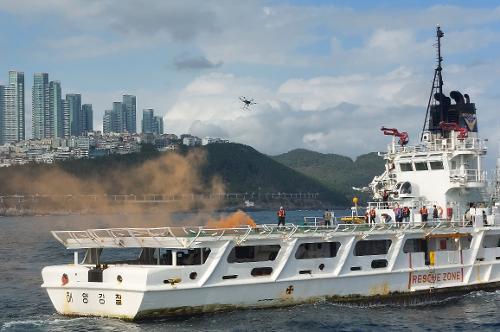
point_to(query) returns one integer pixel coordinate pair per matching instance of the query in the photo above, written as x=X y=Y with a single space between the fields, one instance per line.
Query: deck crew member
x=435 y=213
x=406 y=214
x=387 y=218
x=472 y=213
x=281 y=216
x=385 y=198
x=373 y=214
x=327 y=217
x=398 y=213
x=424 y=213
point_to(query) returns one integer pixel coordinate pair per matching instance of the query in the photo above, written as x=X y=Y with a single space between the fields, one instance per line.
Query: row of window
x=261 y=253
x=421 y=166
x=245 y=254
x=267 y=270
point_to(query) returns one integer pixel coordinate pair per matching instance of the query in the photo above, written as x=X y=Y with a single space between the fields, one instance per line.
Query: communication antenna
x=437 y=81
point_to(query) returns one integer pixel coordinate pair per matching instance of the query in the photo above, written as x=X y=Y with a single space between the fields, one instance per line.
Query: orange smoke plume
x=236 y=219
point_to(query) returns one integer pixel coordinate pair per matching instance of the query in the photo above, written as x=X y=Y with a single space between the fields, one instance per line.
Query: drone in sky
x=247 y=103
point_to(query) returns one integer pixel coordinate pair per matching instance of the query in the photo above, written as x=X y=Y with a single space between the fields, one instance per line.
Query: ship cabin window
x=372 y=247
x=405 y=188
x=436 y=165
x=421 y=166
x=146 y=256
x=415 y=245
x=196 y=256
x=261 y=271
x=246 y=254
x=379 y=263
x=491 y=241
x=451 y=243
x=317 y=250
x=406 y=167
x=113 y=256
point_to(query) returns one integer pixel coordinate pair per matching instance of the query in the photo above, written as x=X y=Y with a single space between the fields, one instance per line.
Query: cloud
x=300 y=113
x=368 y=89
x=324 y=77
x=259 y=33
x=204 y=129
x=194 y=62
x=85 y=46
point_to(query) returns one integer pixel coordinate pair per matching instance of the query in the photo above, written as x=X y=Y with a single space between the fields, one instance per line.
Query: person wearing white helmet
x=281 y=216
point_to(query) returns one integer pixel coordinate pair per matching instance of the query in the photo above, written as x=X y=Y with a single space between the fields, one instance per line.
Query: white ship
x=185 y=270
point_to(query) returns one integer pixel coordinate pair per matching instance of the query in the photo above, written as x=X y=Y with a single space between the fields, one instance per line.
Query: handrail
x=166 y=236
x=441 y=144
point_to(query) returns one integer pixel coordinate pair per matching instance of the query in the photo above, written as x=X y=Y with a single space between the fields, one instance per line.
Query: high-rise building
x=66 y=123
x=75 y=106
x=2 y=109
x=14 y=108
x=118 y=124
x=158 y=125
x=107 y=122
x=129 y=110
x=56 y=109
x=147 y=121
x=86 y=119
x=39 y=105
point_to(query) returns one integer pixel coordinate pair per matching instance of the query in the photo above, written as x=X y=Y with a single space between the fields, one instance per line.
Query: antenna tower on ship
x=437 y=82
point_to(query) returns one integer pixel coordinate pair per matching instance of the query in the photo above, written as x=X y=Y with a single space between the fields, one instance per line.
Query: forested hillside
x=336 y=172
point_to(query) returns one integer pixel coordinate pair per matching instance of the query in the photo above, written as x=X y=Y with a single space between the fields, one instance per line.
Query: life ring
x=64 y=279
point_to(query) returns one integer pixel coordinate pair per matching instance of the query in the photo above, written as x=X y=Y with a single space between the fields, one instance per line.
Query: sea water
x=26 y=246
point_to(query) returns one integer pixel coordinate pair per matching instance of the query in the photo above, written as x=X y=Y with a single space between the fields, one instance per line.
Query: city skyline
x=55 y=117
x=325 y=75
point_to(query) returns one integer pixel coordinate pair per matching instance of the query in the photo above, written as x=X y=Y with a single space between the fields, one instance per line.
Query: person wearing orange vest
x=424 y=213
x=281 y=216
x=373 y=214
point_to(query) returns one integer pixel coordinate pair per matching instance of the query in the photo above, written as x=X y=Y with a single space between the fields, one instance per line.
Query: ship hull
x=91 y=299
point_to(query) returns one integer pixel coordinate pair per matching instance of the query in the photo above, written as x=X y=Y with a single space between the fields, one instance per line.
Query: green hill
x=240 y=168
x=244 y=169
x=334 y=171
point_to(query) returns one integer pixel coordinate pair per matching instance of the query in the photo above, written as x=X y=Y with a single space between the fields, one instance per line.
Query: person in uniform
x=327 y=217
x=435 y=213
x=281 y=216
x=373 y=214
x=424 y=213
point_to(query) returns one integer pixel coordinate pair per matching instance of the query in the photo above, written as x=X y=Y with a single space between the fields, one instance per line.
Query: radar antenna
x=437 y=82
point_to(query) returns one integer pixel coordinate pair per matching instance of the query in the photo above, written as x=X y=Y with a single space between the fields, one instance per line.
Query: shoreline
x=158 y=209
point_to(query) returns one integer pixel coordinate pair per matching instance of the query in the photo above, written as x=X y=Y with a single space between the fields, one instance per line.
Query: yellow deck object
x=432 y=257
x=354 y=220
x=450 y=236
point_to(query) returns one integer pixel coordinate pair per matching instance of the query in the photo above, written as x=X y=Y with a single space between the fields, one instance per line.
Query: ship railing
x=442 y=144
x=413 y=204
x=316 y=221
x=467 y=175
x=187 y=237
x=132 y=237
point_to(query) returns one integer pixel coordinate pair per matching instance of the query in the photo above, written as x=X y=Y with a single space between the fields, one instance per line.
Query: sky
x=326 y=75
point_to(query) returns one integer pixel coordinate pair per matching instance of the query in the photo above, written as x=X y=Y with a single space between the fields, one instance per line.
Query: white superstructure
x=184 y=270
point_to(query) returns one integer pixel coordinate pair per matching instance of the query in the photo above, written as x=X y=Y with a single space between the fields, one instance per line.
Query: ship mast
x=437 y=82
